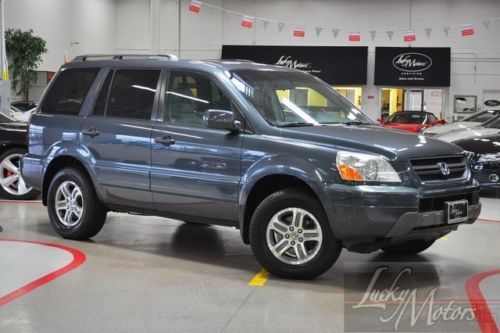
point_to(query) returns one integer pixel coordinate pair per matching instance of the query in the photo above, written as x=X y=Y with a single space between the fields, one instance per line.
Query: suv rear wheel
x=291 y=237
x=75 y=211
x=410 y=247
x=12 y=185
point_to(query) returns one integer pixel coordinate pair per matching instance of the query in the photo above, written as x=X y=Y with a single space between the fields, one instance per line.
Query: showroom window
x=68 y=92
x=131 y=95
x=189 y=95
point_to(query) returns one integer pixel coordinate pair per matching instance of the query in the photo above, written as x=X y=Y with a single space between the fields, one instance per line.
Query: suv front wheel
x=75 y=211
x=291 y=237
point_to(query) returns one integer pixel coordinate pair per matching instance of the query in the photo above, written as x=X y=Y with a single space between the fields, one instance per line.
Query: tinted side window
x=189 y=95
x=68 y=92
x=132 y=93
x=100 y=104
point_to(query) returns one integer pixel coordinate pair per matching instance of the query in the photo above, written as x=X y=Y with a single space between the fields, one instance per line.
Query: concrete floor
x=155 y=275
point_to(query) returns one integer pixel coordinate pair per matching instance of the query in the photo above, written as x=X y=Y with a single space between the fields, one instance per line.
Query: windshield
x=286 y=98
x=5 y=119
x=409 y=118
x=482 y=117
x=493 y=123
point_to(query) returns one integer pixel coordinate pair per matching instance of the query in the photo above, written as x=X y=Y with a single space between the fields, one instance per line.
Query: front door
x=118 y=134
x=195 y=170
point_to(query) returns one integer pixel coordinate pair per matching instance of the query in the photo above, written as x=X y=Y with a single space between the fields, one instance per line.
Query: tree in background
x=24 y=52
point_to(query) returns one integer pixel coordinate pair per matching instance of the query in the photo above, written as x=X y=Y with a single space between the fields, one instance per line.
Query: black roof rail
x=86 y=57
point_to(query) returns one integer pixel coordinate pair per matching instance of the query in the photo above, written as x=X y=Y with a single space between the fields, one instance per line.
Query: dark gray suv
x=272 y=151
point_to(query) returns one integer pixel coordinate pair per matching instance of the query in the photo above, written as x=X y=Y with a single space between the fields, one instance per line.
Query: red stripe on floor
x=488 y=220
x=19 y=201
x=78 y=259
x=479 y=304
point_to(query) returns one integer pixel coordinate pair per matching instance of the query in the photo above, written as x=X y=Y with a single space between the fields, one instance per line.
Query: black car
x=484 y=151
x=12 y=147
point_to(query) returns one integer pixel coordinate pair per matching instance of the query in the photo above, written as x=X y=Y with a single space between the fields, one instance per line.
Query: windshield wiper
x=295 y=124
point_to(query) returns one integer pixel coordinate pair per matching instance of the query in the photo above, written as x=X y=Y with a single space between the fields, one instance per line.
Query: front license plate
x=457 y=211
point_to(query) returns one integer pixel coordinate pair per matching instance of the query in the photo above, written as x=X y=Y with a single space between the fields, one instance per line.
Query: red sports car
x=411 y=121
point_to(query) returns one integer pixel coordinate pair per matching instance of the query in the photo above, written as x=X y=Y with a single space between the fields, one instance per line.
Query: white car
x=489 y=128
x=22 y=116
x=463 y=125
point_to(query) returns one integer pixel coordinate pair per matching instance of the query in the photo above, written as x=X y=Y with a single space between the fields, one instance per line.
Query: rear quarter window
x=68 y=92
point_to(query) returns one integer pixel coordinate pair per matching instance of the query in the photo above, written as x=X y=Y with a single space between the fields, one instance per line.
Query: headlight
x=489 y=158
x=365 y=168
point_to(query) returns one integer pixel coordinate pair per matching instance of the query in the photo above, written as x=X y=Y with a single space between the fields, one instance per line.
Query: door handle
x=92 y=132
x=165 y=140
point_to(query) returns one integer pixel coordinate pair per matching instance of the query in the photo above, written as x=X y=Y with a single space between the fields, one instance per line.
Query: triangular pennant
x=195 y=7
x=354 y=37
x=299 y=32
x=373 y=34
x=247 y=22
x=409 y=36
x=318 y=30
x=335 y=33
x=265 y=23
x=281 y=25
x=467 y=30
x=486 y=24
x=428 y=32
x=446 y=31
x=390 y=34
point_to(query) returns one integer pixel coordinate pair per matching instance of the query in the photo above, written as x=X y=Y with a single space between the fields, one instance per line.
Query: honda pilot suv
x=272 y=151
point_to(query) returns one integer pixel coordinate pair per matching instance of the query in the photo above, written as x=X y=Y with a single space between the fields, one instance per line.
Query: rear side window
x=68 y=92
x=132 y=94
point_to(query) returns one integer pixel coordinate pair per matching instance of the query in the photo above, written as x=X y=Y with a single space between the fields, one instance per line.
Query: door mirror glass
x=221 y=119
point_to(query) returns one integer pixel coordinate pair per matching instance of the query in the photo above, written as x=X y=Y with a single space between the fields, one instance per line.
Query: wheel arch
x=57 y=164
x=254 y=193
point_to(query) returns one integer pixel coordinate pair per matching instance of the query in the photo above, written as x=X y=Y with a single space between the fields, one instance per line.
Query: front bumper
x=366 y=218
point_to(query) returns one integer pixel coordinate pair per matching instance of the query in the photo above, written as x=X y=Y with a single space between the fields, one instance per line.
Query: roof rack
x=87 y=57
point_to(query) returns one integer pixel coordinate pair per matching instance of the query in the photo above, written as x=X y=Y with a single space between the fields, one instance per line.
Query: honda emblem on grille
x=445 y=169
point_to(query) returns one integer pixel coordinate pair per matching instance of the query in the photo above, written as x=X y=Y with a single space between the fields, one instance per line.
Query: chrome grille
x=429 y=168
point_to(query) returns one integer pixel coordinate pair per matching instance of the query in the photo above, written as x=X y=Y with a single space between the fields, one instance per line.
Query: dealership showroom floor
x=153 y=275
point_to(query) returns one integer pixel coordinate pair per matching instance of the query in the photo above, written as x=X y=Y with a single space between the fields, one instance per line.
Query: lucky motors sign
x=412 y=66
x=336 y=65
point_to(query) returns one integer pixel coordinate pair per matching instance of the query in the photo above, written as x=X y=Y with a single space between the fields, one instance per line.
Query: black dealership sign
x=412 y=66
x=333 y=64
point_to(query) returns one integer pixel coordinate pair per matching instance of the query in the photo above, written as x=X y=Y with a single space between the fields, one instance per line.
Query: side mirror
x=221 y=119
x=441 y=121
x=380 y=120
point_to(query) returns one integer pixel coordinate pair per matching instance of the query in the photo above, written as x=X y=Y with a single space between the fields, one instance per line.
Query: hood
x=461 y=125
x=481 y=146
x=21 y=126
x=393 y=144
x=469 y=133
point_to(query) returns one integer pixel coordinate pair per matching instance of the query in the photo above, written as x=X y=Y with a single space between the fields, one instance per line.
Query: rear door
x=195 y=170
x=118 y=134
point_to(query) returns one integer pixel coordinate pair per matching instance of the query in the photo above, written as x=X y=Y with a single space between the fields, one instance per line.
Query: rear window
x=68 y=92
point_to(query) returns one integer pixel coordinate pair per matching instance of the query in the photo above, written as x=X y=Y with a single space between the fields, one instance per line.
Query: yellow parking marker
x=259 y=279
x=444 y=238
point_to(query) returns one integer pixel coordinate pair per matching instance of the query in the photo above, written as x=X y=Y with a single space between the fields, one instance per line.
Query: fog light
x=494 y=178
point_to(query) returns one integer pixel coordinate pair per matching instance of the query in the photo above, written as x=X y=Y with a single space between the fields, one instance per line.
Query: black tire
x=409 y=248
x=93 y=212
x=327 y=253
x=10 y=192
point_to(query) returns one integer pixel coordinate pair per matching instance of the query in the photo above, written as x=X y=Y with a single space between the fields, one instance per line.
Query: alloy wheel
x=294 y=236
